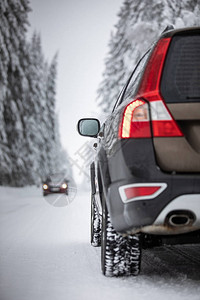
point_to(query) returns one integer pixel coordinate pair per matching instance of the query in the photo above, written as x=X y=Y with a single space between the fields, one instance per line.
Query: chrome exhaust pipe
x=180 y=218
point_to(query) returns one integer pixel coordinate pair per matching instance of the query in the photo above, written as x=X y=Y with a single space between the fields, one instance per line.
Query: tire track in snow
x=186 y=252
x=174 y=261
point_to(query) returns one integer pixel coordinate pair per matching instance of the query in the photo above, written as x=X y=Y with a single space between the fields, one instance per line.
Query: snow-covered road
x=45 y=254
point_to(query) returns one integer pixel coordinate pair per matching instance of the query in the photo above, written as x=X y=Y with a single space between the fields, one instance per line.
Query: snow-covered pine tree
x=42 y=133
x=139 y=24
x=58 y=156
x=39 y=132
x=30 y=146
x=13 y=18
x=27 y=112
x=53 y=134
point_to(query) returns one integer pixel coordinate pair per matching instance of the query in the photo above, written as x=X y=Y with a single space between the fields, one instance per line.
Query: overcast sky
x=80 y=31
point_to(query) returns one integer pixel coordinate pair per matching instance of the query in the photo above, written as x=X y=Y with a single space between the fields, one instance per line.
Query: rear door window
x=181 y=75
x=131 y=86
x=135 y=78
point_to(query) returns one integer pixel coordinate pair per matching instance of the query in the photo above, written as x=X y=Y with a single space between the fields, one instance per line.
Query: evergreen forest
x=30 y=146
x=140 y=22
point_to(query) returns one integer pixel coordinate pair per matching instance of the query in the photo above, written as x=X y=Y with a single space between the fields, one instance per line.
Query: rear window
x=181 y=74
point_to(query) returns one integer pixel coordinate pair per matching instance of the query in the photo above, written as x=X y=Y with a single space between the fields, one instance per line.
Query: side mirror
x=88 y=127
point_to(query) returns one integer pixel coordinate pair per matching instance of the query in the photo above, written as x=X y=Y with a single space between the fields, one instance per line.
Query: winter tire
x=119 y=255
x=95 y=225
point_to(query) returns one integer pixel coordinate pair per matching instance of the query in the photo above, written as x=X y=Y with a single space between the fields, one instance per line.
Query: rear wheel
x=95 y=225
x=119 y=255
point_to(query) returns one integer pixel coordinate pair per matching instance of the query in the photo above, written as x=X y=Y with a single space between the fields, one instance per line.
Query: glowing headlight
x=45 y=186
x=64 y=185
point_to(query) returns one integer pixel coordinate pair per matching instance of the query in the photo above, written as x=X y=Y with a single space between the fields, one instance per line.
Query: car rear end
x=157 y=190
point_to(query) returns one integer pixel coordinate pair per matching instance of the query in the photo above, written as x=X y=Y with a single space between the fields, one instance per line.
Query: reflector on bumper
x=141 y=191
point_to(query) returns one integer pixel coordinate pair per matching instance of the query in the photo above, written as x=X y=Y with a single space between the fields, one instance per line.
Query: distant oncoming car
x=55 y=183
x=145 y=178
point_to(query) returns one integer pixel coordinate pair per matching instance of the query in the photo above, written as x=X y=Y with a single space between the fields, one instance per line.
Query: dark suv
x=146 y=177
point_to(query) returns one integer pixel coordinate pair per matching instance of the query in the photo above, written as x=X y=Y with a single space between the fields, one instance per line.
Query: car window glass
x=181 y=75
x=119 y=98
x=135 y=78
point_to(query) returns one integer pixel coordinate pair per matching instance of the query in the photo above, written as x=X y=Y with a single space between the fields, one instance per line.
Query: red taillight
x=151 y=79
x=141 y=191
x=135 y=122
x=163 y=124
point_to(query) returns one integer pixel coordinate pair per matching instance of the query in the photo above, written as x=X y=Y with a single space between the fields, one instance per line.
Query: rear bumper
x=178 y=192
x=175 y=210
x=181 y=215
